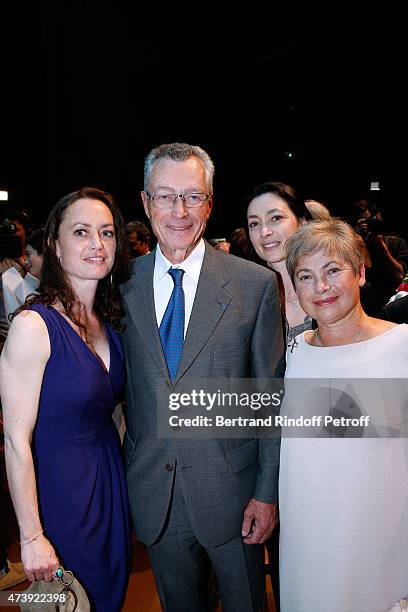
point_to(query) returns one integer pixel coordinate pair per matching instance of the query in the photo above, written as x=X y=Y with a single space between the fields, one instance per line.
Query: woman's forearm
x=37 y=553
x=22 y=485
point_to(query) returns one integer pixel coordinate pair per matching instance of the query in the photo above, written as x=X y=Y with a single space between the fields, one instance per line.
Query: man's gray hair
x=178 y=151
x=332 y=237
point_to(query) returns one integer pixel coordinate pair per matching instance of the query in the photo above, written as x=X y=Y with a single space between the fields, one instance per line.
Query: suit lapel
x=139 y=297
x=210 y=303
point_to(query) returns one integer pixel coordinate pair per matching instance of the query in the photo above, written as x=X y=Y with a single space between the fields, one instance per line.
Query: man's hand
x=259 y=520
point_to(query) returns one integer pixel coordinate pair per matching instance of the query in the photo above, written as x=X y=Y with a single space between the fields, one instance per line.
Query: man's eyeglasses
x=164 y=199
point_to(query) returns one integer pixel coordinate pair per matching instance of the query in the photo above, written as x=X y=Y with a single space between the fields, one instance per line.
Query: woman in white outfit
x=343 y=490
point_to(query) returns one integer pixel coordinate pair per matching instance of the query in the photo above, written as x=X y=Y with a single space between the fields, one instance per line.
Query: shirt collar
x=191 y=265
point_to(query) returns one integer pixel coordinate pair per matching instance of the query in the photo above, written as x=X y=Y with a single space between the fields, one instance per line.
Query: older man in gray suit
x=198 y=500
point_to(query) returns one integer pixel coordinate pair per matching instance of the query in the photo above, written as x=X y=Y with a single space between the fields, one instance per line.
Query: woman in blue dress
x=62 y=371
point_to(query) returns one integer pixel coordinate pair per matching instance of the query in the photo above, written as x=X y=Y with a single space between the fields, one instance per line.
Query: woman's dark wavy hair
x=54 y=285
x=288 y=194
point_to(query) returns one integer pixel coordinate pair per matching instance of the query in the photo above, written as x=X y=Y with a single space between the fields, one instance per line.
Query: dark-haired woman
x=275 y=212
x=62 y=371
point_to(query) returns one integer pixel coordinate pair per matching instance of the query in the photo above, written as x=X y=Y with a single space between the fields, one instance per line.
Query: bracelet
x=37 y=535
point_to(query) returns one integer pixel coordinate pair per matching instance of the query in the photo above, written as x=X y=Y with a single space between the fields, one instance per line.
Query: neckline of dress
x=387 y=331
x=93 y=353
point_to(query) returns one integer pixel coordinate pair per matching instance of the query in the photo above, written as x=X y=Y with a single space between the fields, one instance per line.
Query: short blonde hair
x=317 y=209
x=330 y=236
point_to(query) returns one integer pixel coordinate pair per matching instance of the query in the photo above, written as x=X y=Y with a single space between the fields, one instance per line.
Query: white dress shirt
x=163 y=283
x=16 y=289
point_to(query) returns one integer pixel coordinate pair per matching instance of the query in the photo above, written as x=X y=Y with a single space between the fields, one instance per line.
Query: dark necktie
x=172 y=326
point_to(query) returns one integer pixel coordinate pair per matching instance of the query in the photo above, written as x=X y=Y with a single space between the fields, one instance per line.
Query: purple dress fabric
x=80 y=475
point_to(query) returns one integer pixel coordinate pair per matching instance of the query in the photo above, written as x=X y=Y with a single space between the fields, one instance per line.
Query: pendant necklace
x=293 y=304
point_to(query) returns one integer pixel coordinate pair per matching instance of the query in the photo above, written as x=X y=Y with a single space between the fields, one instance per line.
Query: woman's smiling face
x=270 y=223
x=86 y=243
x=327 y=286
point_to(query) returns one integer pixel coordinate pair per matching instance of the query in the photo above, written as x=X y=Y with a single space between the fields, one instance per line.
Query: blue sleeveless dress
x=80 y=475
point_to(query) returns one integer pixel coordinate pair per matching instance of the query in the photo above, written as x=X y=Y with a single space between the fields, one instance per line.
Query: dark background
x=88 y=89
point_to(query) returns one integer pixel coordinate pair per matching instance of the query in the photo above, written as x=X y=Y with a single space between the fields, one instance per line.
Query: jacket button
x=169 y=467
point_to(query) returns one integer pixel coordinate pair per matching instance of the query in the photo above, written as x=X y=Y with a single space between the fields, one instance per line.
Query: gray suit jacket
x=234 y=331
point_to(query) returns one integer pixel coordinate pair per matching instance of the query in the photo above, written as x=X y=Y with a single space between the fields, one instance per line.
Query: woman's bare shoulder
x=28 y=321
x=28 y=335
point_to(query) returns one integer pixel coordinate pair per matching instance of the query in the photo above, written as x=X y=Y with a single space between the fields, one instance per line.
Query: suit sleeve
x=268 y=362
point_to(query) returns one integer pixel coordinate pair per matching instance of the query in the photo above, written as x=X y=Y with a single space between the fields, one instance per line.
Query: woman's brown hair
x=55 y=286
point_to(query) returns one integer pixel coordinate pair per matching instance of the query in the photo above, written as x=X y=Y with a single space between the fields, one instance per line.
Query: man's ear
x=361 y=274
x=210 y=205
x=145 y=200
